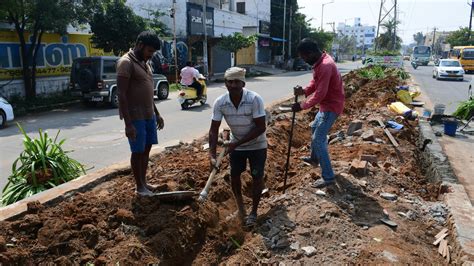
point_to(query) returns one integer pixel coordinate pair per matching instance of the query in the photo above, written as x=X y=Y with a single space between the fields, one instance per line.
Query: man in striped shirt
x=244 y=112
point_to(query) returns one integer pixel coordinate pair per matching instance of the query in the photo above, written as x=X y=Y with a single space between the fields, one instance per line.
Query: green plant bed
x=465 y=110
x=43 y=164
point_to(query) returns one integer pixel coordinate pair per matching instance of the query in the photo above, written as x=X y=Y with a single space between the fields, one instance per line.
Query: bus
x=421 y=55
x=465 y=55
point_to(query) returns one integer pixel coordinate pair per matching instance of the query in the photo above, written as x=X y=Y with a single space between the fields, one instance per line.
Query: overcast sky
x=415 y=15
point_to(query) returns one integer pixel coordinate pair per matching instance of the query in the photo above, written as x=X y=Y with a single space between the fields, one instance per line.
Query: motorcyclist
x=190 y=78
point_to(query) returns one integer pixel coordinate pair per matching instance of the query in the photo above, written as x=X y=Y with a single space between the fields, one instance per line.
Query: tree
x=154 y=22
x=31 y=19
x=419 y=38
x=346 y=44
x=234 y=43
x=460 y=37
x=323 y=39
x=116 y=27
x=385 y=40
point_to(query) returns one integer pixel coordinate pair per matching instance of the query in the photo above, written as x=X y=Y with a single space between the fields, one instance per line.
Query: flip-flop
x=251 y=220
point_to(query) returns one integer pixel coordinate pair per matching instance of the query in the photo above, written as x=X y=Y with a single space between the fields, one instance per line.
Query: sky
x=415 y=15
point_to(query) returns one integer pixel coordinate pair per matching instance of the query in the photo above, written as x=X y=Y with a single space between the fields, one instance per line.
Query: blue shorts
x=146 y=134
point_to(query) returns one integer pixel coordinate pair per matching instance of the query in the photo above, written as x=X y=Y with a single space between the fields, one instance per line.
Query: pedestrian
x=244 y=113
x=137 y=107
x=325 y=89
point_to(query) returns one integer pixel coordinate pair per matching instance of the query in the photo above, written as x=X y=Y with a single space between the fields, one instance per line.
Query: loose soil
x=110 y=225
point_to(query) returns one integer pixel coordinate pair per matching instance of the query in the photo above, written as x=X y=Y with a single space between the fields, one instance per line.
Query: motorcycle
x=414 y=64
x=187 y=96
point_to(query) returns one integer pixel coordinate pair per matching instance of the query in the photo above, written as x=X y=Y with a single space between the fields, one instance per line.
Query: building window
x=241 y=7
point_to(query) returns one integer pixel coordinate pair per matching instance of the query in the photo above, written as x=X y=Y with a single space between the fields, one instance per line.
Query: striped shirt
x=240 y=120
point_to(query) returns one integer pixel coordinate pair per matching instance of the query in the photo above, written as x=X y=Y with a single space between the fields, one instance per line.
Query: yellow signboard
x=55 y=54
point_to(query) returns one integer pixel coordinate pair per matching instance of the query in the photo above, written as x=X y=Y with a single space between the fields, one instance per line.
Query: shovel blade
x=175 y=195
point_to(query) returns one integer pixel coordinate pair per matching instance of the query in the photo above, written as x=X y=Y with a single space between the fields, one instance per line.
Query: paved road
x=446 y=92
x=459 y=149
x=96 y=135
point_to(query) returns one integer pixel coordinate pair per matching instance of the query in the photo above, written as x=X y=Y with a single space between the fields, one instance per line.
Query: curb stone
x=461 y=212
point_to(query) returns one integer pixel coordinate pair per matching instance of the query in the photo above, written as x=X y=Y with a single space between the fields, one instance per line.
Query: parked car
x=300 y=64
x=95 y=80
x=6 y=112
x=448 y=69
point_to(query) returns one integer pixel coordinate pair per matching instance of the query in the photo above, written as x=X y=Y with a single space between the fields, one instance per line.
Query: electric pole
x=387 y=12
x=284 y=27
x=433 y=41
x=394 y=46
x=173 y=13
x=204 y=46
x=289 y=32
x=470 y=21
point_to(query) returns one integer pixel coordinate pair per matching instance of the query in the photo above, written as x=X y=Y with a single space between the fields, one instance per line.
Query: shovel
x=205 y=191
x=289 y=147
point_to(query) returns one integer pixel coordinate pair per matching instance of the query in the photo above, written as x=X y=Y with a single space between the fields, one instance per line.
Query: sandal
x=321 y=183
x=251 y=220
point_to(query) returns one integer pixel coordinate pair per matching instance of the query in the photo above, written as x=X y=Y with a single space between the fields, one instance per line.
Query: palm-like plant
x=42 y=165
x=385 y=40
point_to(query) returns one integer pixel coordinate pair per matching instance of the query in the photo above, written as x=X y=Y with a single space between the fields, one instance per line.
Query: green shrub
x=43 y=164
x=465 y=110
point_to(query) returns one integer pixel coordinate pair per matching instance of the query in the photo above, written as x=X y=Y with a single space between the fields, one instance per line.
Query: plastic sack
x=399 y=108
x=404 y=96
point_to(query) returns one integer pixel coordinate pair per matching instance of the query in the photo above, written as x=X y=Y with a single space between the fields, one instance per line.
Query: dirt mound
x=110 y=225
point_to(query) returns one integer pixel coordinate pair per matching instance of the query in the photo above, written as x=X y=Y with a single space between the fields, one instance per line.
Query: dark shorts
x=146 y=134
x=257 y=158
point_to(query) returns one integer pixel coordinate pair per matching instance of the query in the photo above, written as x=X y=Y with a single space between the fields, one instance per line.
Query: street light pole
x=322 y=14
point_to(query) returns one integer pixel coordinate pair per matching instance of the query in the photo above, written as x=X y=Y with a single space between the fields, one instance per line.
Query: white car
x=448 y=69
x=6 y=112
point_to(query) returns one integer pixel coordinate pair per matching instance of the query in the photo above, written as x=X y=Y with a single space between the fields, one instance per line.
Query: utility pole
x=386 y=12
x=173 y=13
x=470 y=21
x=204 y=46
x=284 y=27
x=289 y=32
x=394 y=44
x=433 y=41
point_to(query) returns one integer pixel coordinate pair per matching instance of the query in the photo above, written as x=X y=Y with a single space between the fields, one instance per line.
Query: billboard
x=195 y=17
x=55 y=54
x=388 y=61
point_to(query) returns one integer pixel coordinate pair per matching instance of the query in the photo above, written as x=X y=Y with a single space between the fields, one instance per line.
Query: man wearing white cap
x=244 y=112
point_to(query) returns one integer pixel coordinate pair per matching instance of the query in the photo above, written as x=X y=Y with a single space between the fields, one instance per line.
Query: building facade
x=223 y=18
x=363 y=34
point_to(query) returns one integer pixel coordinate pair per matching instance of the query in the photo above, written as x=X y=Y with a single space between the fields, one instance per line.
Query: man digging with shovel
x=325 y=89
x=244 y=112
